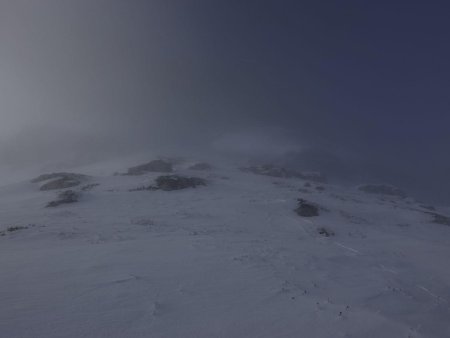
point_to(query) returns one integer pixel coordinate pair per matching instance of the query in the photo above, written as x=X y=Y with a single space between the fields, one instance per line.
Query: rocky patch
x=89 y=187
x=200 y=166
x=60 y=180
x=274 y=171
x=60 y=183
x=306 y=209
x=439 y=219
x=175 y=182
x=68 y=196
x=382 y=189
x=52 y=176
x=13 y=228
x=325 y=232
x=160 y=166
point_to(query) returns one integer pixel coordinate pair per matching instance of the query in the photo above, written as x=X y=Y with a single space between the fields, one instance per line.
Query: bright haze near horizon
x=363 y=86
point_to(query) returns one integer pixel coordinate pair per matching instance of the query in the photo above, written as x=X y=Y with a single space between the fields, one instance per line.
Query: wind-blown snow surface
x=231 y=259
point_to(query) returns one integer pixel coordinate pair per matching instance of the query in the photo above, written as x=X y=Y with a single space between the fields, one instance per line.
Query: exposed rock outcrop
x=60 y=183
x=306 y=209
x=200 y=166
x=68 y=196
x=59 y=180
x=382 y=189
x=51 y=176
x=175 y=182
x=274 y=171
x=439 y=219
x=325 y=232
x=160 y=166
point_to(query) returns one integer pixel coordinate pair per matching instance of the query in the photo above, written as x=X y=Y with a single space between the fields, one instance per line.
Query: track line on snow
x=347 y=247
x=439 y=298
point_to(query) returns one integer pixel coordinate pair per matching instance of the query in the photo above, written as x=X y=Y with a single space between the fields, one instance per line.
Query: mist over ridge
x=87 y=80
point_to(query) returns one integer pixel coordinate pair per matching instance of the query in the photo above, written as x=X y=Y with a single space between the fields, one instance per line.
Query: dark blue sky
x=381 y=67
x=370 y=79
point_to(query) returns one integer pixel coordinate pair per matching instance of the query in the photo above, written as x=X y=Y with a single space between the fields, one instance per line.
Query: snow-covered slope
x=231 y=259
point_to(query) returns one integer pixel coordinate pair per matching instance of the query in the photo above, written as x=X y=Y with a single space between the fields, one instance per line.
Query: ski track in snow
x=231 y=259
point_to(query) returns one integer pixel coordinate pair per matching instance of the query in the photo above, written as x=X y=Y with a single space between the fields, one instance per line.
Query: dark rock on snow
x=274 y=171
x=60 y=180
x=15 y=228
x=89 y=187
x=382 y=189
x=200 y=166
x=12 y=228
x=428 y=207
x=68 y=196
x=439 y=219
x=175 y=182
x=325 y=232
x=306 y=209
x=152 y=166
x=60 y=183
x=144 y=188
x=46 y=177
